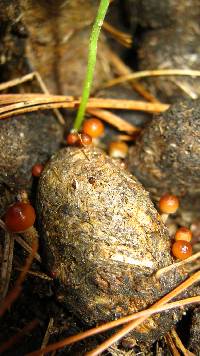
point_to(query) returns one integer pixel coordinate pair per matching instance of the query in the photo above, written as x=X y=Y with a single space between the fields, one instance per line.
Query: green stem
x=92 y=53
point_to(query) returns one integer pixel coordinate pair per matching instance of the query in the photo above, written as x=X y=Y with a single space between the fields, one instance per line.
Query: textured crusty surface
x=174 y=47
x=168 y=42
x=103 y=238
x=167 y=156
x=24 y=141
x=159 y=14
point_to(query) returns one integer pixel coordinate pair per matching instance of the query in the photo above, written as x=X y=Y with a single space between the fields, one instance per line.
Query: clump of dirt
x=174 y=47
x=165 y=158
x=153 y=14
x=26 y=140
x=165 y=41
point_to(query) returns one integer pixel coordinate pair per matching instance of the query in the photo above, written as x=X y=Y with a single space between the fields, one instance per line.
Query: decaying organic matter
x=167 y=155
x=104 y=239
x=170 y=40
x=13 y=36
x=154 y=14
x=57 y=50
x=24 y=141
x=174 y=47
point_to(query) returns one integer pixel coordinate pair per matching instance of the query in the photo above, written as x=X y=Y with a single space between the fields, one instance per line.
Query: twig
x=114 y=120
x=177 y=264
x=6 y=267
x=126 y=329
x=17 y=337
x=124 y=38
x=180 y=345
x=153 y=73
x=91 y=62
x=122 y=69
x=115 y=323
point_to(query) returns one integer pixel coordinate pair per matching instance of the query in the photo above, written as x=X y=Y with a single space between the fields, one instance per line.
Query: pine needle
x=153 y=73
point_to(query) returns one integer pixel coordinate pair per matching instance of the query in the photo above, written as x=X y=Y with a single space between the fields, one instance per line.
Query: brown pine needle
x=46 y=91
x=171 y=345
x=153 y=73
x=179 y=344
x=9 y=299
x=126 y=329
x=29 y=77
x=124 y=38
x=122 y=69
x=14 y=293
x=177 y=264
x=3 y=225
x=115 y=323
x=21 y=242
x=17 y=337
x=114 y=120
x=17 y=81
x=6 y=265
x=36 y=274
x=126 y=104
x=47 y=334
x=26 y=247
x=28 y=263
x=125 y=137
x=186 y=88
x=19 y=101
x=23 y=103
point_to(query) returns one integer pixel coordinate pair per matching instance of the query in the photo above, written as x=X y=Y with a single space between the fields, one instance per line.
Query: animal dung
x=104 y=239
